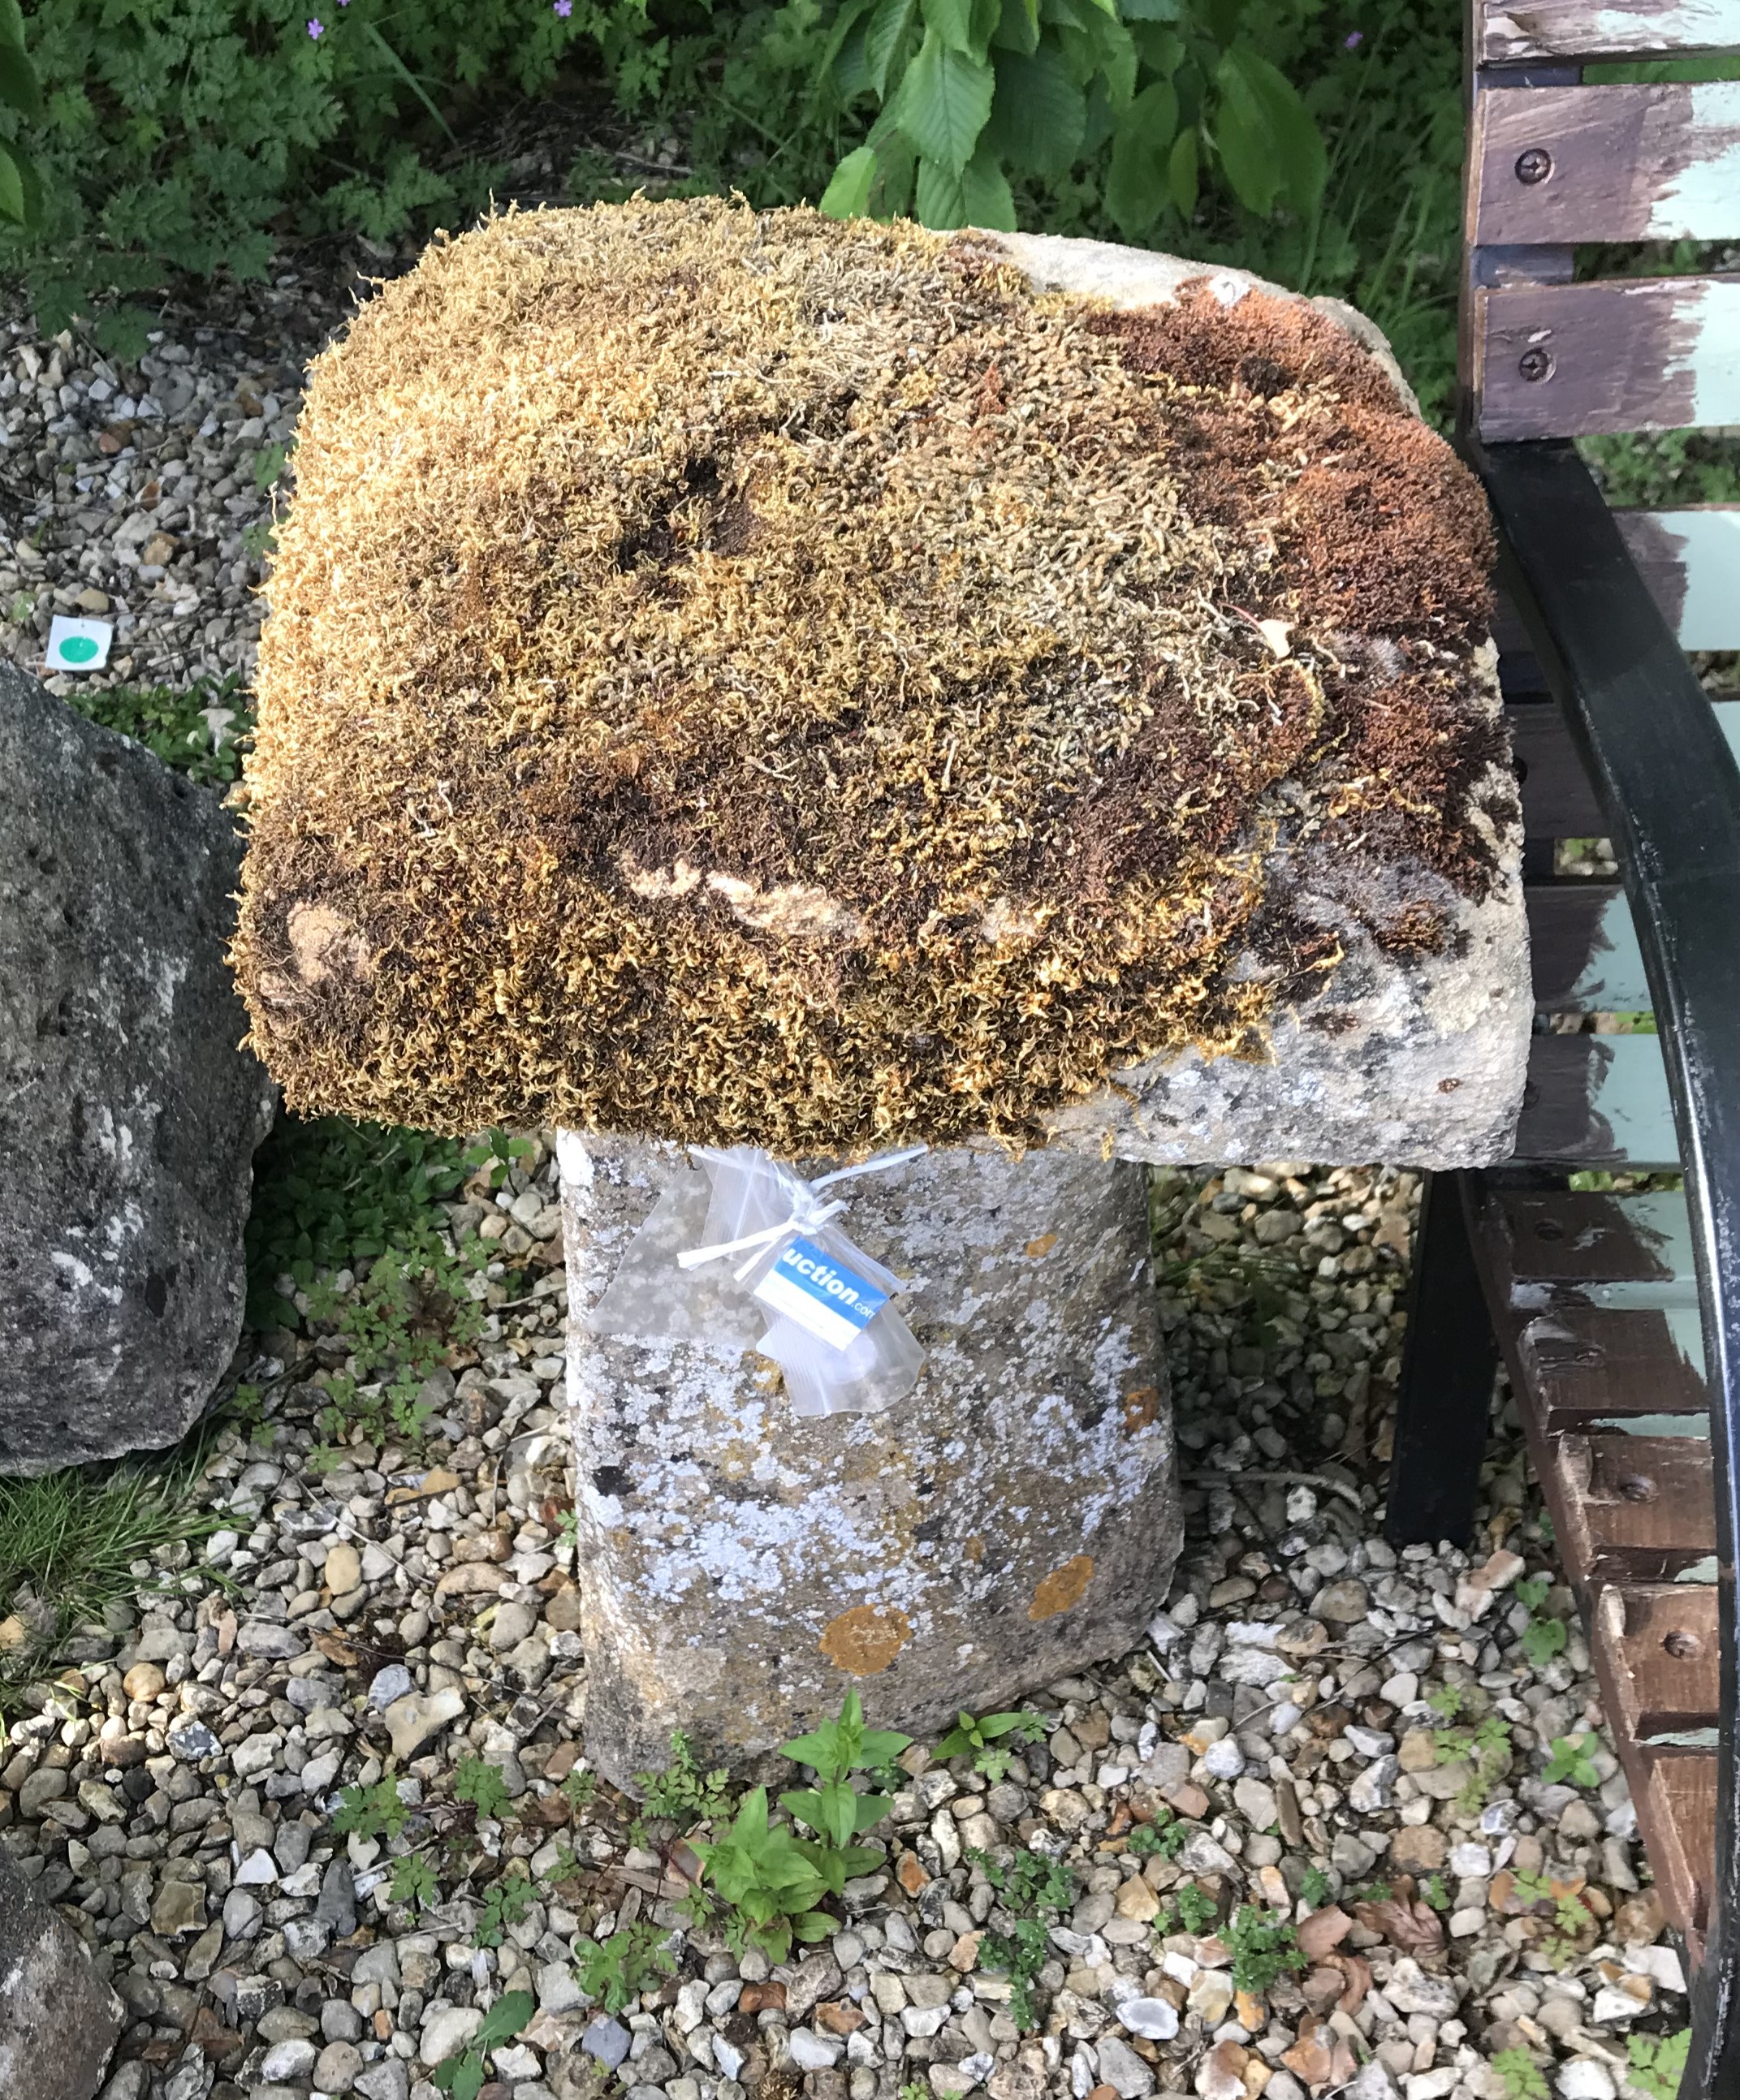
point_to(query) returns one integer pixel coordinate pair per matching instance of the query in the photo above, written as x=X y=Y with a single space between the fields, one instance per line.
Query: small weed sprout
x=1196 y=1908
x=484 y=1785
x=615 y=1972
x=985 y=1738
x=1313 y=1887
x=371 y=1811
x=461 y=2076
x=1657 y=2065
x=1035 y=1889
x=1263 y=1949
x=682 y=1792
x=1165 y=1837
x=1572 y=1763
x=1522 y=2076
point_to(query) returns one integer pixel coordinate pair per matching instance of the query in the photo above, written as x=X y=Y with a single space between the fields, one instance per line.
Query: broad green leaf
x=1162 y=50
x=1151 y=10
x=847 y=196
x=889 y=22
x=813 y=1925
x=851 y=73
x=1268 y=141
x=882 y=1746
x=1181 y=171
x=19 y=86
x=1115 y=48
x=1018 y=28
x=1135 y=186
x=945 y=99
x=980 y=196
x=951 y=20
x=11 y=25
x=11 y=189
x=1036 y=120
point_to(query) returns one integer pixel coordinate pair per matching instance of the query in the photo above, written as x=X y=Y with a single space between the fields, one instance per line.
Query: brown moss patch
x=752 y=679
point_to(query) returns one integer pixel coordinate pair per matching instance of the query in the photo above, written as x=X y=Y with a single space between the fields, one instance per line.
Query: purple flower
x=1351 y=42
x=316 y=29
x=564 y=8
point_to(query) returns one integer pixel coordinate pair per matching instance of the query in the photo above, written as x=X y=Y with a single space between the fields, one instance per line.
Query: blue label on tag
x=803 y=1266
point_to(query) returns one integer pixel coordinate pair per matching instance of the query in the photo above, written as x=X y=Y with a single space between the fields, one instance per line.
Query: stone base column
x=1013 y=1520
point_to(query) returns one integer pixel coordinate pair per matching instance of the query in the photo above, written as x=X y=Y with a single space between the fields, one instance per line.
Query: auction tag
x=829 y=1300
x=78 y=645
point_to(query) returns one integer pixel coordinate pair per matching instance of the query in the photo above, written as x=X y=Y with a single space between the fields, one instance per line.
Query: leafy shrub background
x=190 y=136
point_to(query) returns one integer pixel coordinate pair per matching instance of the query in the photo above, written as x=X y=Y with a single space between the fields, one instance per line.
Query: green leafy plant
x=21 y=92
x=1264 y=1948
x=1445 y=1701
x=1487 y=1743
x=462 y=2075
x=1543 y=1638
x=331 y=1191
x=200 y=729
x=1035 y=1889
x=1197 y=1908
x=506 y=1901
x=400 y=1321
x=1572 y=1762
x=578 y=1789
x=1314 y=1886
x=973 y=91
x=1165 y=1837
x=1656 y=2064
x=1433 y=1894
x=614 y=1972
x=414 y=1880
x=1520 y=2074
x=495 y=1154
x=833 y=1808
x=682 y=1792
x=371 y=1811
x=484 y=1785
x=985 y=1736
x=768 y=1879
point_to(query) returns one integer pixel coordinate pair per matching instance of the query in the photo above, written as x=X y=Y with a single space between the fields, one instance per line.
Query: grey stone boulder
x=128 y=1115
x=60 y=2020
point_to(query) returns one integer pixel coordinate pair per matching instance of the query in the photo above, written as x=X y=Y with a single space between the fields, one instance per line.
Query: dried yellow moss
x=752 y=679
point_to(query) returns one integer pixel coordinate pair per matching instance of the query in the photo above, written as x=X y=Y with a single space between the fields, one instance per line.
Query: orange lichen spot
x=1063 y=1587
x=1142 y=1405
x=864 y=1641
x=1037 y=1249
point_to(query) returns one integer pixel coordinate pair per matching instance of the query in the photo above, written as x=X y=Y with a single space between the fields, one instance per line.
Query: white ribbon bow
x=808 y=1210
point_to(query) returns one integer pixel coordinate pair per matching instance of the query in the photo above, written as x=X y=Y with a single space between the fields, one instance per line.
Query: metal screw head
x=1535 y=363
x=1534 y=164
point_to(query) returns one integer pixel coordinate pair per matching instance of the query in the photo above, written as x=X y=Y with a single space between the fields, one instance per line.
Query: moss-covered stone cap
x=749 y=678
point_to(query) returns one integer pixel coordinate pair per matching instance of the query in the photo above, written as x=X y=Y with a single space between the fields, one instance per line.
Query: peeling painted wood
x=1620 y=29
x=1597 y=1101
x=1657 y=163
x=1662 y=1648
x=1690 y=560
x=1583 y=951
x=1644 y=353
x=1558 y=799
x=1641 y=1507
x=1570 y=1238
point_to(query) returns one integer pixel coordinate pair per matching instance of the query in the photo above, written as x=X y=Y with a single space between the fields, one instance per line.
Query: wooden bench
x=1618 y=1314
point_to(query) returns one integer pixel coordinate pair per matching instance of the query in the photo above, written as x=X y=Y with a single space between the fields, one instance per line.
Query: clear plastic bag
x=769 y=1251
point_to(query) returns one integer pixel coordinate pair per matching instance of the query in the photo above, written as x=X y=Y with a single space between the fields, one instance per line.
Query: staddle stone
x=749 y=679
x=129 y=1114
x=1014 y=1519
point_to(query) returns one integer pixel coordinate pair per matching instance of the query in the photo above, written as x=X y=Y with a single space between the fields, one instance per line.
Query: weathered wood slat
x=1642 y=1508
x=1510 y=34
x=1690 y=560
x=1590 y=1371
x=1582 y=948
x=1558 y=801
x=1674 y=1791
x=1624 y=354
x=1596 y=1101
x=1554 y=166
x=1662 y=1644
x=1574 y=1239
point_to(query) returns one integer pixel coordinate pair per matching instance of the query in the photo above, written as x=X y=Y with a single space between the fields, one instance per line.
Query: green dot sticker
x=78 y=645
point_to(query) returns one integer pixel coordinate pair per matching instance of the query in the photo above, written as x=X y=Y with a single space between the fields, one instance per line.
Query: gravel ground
x=1342 y=1737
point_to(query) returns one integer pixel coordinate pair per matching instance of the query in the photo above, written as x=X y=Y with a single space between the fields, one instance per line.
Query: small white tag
x=828 y=1299
x=78 y=645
